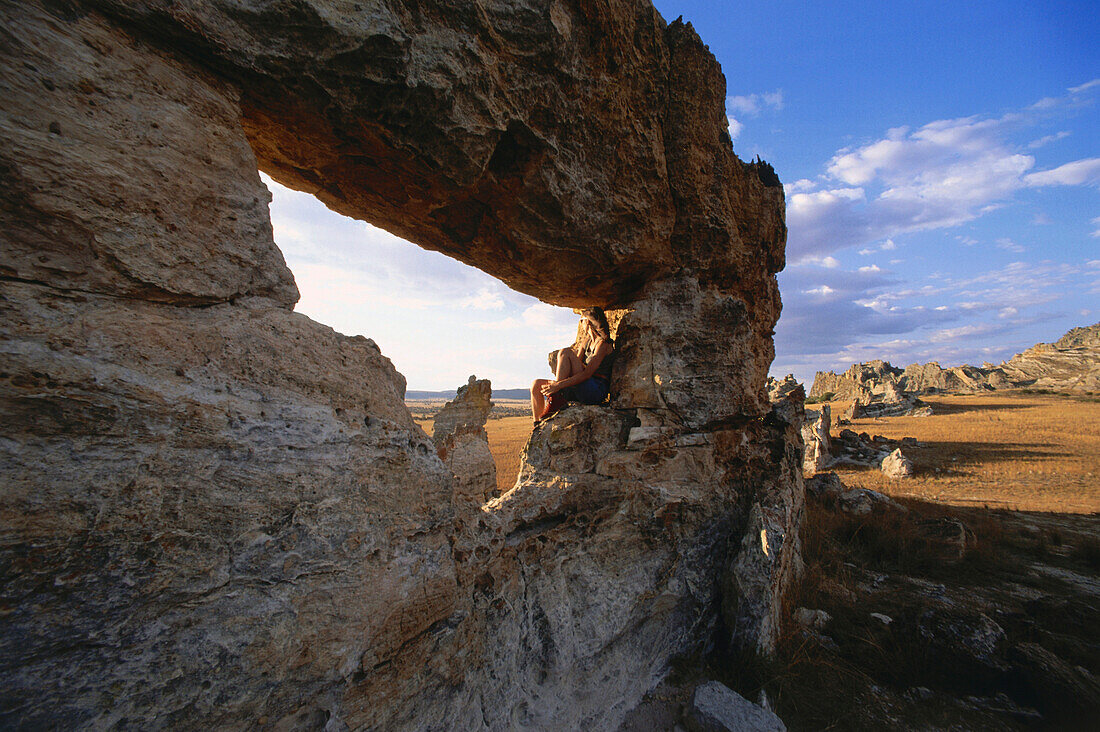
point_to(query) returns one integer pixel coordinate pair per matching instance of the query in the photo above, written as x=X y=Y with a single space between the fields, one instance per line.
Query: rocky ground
x=934 y=618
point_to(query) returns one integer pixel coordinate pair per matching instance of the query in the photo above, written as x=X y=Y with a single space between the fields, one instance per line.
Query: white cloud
x=1046 y=140
x=799 y=186
x=539 y=316
x=754 y=104
x=942 y=174
x=735 y=127
x=1095 y=234
x=823 y=291
x=483 y=300
x=1041 y=219
x=1079 y=172
x=865 y=252
x=1083 y=87
x=889 y=245
x=870 y=268
x=826 y=262
x=1009 y=246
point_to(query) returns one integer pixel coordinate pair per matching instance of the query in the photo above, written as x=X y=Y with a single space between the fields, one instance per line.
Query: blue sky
x=942 y=172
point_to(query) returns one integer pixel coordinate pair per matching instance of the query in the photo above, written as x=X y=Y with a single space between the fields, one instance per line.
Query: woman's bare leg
x=568 y=364
x=538 y=401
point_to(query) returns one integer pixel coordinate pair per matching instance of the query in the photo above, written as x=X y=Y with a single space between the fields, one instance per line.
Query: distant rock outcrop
x=780 y=388
x=1070 y=364
x=858 y=379
x=890 y=401
x=219 y=513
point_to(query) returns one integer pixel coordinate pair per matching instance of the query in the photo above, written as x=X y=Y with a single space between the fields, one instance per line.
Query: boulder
x=717 y=708
x=897 y=466
x=824 y=484
x=965 y=639
x=812 y=619
x=1067 y=693
x=861 y=501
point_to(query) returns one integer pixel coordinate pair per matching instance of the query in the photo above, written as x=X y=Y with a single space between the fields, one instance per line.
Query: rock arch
x=218 y=512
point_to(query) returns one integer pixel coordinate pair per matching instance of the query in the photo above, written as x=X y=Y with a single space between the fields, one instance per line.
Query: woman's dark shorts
x=589 y=391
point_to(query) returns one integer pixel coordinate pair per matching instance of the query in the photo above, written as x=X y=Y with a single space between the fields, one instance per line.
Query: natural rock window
x=219 y=512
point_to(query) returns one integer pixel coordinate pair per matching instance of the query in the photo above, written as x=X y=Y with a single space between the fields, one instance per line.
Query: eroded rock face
x=218 y=513
x=185 y=221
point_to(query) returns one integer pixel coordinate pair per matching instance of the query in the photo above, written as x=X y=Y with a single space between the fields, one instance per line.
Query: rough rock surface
x=897 y=466
x=462 y=443
x=862 y=501
x=864 y=449
x=199 y=484
x=718 y=708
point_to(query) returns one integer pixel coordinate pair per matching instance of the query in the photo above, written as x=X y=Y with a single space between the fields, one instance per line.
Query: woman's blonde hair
x=596 y=317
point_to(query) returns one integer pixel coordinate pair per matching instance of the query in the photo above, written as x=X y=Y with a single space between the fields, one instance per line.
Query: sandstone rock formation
x=462 y=443
x=860 y=378
x=218 y=513
x=1070 y=364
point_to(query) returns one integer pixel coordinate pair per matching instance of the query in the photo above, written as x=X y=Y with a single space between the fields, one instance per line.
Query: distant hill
x=1072 y=364
x=448 y=394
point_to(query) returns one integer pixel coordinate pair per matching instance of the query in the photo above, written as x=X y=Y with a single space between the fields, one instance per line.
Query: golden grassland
x=1029 y=452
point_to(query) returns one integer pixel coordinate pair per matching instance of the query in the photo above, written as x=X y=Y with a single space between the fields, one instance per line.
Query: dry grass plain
x=1014 y=450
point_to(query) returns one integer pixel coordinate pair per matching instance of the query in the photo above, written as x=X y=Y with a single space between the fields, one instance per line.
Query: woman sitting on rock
x=582 y=372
